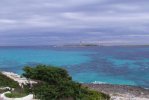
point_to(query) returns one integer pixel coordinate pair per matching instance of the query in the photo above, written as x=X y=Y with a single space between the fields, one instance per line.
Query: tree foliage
x=56 y=84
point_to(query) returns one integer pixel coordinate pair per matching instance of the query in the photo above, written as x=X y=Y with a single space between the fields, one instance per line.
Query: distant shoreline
x=76 y=45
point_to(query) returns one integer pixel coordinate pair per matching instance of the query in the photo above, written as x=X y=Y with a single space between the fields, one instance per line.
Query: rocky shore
x=121 y=92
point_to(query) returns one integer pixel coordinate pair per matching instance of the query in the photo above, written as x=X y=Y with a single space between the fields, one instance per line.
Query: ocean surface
x=127 y=65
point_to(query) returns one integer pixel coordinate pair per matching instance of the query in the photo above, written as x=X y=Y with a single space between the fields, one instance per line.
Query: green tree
x=55 y=84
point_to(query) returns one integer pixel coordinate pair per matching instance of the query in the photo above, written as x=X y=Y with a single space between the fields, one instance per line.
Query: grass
x=15 y=95
x=7 y=82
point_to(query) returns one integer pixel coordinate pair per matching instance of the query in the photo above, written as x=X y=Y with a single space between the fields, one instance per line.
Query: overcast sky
x=44 y=22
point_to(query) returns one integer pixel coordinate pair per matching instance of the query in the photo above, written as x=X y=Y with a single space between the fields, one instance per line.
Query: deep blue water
x=116 y=65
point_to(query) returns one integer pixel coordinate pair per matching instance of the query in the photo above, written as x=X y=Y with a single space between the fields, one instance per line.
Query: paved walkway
x=0 y=97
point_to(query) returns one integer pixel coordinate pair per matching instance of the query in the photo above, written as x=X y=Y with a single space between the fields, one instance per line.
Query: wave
x=98 y=82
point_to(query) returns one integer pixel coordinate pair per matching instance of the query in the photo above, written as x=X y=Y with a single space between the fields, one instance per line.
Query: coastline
x=121 y=92
x=116 y=92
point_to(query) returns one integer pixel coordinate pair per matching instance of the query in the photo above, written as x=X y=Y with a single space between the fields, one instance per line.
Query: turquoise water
x=115 y=65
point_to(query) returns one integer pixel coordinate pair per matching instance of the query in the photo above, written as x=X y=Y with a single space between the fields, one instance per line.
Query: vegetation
x=55 y=84
x=7 y=82
x=89 y=45
x=3 y=90
x=15 y=95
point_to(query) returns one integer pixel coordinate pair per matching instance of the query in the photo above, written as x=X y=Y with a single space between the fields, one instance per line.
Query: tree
x=55 y=84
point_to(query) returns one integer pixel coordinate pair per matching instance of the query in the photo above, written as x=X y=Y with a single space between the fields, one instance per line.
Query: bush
x=56 y=84
x=50 y=74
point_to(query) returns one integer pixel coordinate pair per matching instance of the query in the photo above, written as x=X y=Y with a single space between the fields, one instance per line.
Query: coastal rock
x=121 y=92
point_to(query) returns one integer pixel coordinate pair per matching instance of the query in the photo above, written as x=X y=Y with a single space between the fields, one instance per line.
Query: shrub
x=56 y=84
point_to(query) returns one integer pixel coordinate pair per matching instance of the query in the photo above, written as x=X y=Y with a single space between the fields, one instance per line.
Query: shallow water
x=116 y=65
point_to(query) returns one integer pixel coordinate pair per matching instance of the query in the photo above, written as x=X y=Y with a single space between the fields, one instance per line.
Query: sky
x=46 y=22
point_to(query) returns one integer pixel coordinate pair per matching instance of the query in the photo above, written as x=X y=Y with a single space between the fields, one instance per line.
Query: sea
x=123 y=65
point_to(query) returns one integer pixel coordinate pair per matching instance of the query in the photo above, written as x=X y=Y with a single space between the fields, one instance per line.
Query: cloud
x=73 y=20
